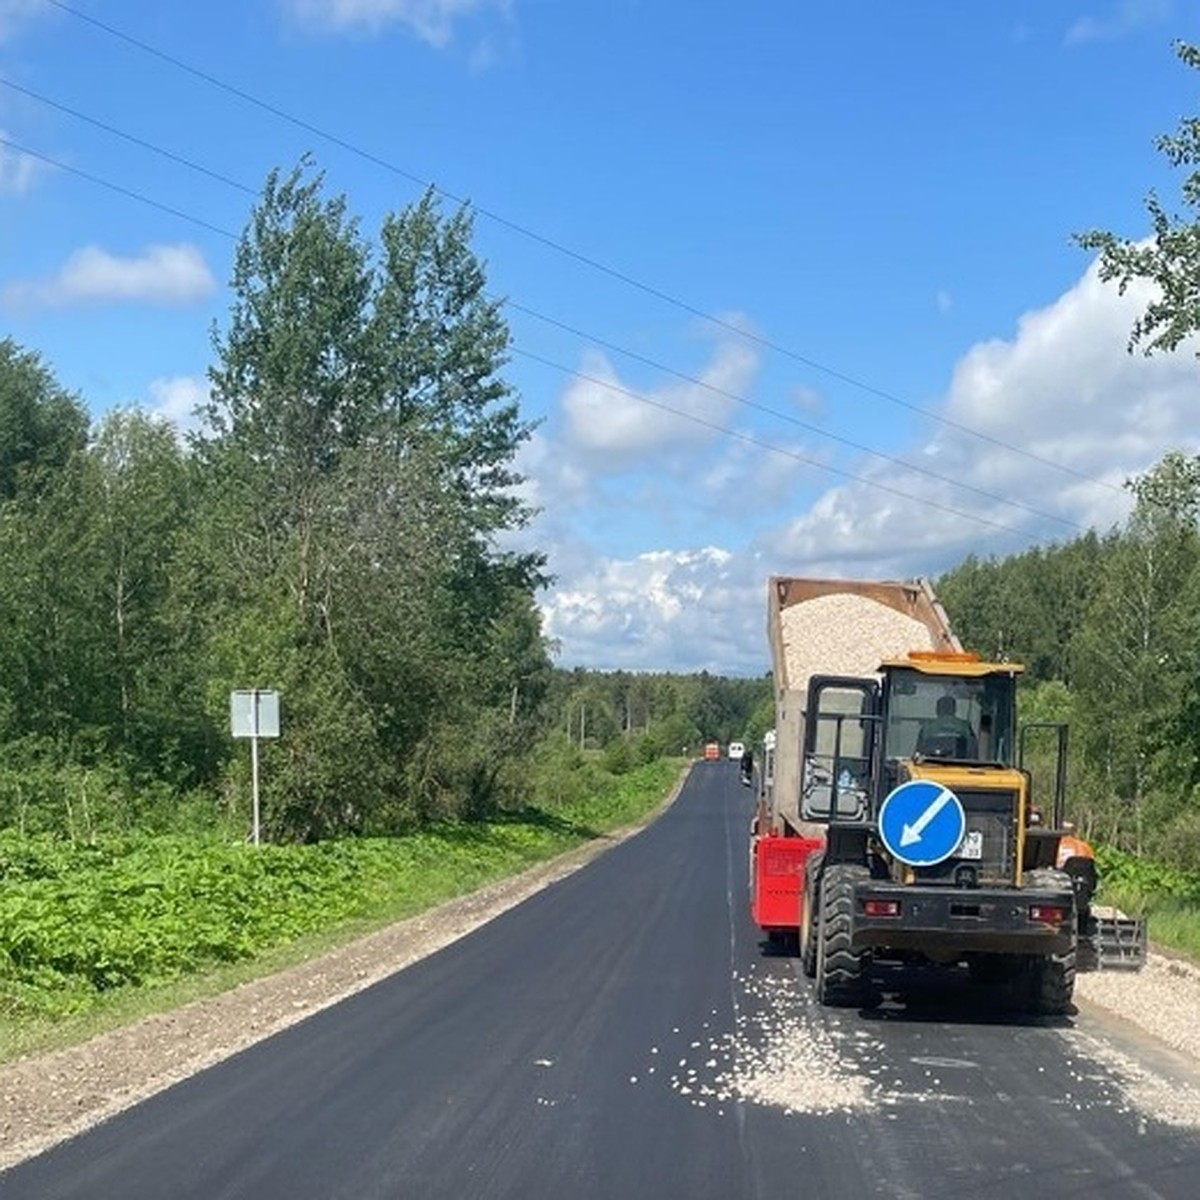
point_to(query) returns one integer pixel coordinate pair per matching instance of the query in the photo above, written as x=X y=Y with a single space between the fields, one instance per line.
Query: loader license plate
x=972 y=844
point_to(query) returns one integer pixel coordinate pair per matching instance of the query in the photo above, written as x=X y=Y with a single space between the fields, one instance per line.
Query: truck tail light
x=881 y=908
x=1047 y=914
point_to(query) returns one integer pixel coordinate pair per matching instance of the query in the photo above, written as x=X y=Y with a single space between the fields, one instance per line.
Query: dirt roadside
x=49 y=1098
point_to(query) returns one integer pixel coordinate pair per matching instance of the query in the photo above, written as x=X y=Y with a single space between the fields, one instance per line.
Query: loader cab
x=950 y=707
x=928 y=708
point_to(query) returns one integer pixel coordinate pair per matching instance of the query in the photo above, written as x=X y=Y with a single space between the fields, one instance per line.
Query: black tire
x=1082 y=874
x=1087 y=948
x=1052 y=976
x=808 y=943
x=1052 y=984
x=841 y=971
x=1049 y=880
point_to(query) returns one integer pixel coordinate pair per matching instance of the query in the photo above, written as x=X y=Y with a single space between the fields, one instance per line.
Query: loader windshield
x=948 y=716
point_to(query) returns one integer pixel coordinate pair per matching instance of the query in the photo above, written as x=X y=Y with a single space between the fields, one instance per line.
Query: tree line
x=1108 y=628
x=333 y=530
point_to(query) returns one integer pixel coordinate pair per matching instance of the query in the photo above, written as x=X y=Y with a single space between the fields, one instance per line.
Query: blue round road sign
x=921 y=822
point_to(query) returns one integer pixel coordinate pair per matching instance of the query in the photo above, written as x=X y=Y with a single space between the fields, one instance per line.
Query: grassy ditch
x=96 y=933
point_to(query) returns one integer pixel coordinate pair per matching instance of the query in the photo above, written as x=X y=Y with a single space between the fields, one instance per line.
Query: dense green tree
x=41 y=424
x=443 y=343
x=1026 y=608
x=1135 y=656
x=92 y=661
x=1171 y=256
x=359 y=471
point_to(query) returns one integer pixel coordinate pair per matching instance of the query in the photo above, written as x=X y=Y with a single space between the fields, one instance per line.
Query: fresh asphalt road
x=565 y=1050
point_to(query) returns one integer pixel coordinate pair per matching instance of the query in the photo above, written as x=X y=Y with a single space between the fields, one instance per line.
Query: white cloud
x=17 y=171
x=1070 y=414
x=175 y=399
x=944 y=301
x=668 y=610
x=1062 y=392
x=1066 y=389
x=431 y=20
x=160 y=275
x=1125 y=17
x=618 y=423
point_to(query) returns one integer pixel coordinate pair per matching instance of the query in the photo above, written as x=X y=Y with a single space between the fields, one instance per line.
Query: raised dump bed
x=836 y=627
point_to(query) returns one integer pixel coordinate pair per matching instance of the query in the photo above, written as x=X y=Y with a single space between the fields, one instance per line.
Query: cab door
x=841 y=723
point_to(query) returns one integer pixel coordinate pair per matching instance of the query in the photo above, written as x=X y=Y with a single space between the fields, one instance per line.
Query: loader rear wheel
x=1052 y=984
x=1087 y=948
x=841 y=971
x=1052 y=976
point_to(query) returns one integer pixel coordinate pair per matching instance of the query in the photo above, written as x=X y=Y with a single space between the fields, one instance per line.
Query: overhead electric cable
x=561 y=248
x=743 y=437
x=115 y=187
x=794 y=420
x=753 y=441
x=590 y=337
x=129 y=137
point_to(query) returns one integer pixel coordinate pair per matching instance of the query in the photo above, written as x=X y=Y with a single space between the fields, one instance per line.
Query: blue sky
x=792 y=285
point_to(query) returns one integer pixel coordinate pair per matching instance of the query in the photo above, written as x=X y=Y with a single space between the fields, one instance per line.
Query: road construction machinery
x=899 y=823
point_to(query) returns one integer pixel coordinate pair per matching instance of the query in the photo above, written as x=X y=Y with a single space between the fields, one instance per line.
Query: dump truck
x=895 y=820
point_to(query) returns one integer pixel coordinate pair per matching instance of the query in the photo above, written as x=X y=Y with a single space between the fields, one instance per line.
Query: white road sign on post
x=254 y=714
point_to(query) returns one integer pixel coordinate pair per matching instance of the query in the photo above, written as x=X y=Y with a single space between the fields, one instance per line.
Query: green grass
x=1172 y=922
x=1167 y=897
x=95 y=935
x=1175 y=924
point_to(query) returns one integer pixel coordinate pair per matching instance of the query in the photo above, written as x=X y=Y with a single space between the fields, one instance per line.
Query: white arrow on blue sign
x=921 y=822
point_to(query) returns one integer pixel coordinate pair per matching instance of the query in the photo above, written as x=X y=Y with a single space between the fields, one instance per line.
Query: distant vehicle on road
x=712 y=750
x=736 y=750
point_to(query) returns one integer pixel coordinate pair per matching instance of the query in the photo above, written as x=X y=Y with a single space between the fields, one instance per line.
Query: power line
x=748 y=439
x=794 y=420
x=753 y=441
x=128 y=137
x=561 y=248
x=141 y=197
x=584 y=334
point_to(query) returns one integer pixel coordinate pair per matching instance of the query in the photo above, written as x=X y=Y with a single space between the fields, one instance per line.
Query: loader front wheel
x=841 y=970
x=808 y=941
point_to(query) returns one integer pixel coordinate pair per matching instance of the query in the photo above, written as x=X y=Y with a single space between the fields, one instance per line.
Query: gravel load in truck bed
x=843 y=634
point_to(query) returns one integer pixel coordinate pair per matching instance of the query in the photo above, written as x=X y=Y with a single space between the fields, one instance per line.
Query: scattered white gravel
x=788 y=1054
x=777 y=1056
x=1163 y=1000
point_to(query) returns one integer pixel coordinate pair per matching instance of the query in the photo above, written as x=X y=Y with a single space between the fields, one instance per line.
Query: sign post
x=254 y=714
